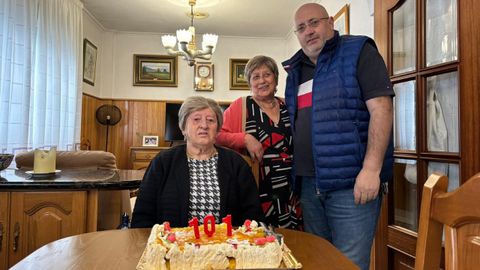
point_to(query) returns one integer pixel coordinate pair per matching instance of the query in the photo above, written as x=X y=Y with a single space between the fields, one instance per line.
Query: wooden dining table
x=122 y=249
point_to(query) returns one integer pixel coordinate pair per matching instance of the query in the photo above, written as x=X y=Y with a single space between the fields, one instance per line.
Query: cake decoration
x=211 y=246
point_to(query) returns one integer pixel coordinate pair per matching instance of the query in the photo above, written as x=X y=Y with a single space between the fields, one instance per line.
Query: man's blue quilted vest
x=339 y=114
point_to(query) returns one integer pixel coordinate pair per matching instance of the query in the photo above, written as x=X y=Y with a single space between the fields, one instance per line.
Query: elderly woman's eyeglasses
x=313 y=23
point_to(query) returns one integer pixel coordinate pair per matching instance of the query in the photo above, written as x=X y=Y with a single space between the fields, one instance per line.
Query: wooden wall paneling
x=89 y=126
x=92 y=132
x=138 y=118
x=149 y=119
x=119 y=139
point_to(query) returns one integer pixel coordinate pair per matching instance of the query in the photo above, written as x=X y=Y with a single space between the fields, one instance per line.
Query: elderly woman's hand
x=254 y=148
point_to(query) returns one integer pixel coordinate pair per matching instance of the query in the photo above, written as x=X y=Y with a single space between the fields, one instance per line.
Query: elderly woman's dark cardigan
x=164 y=192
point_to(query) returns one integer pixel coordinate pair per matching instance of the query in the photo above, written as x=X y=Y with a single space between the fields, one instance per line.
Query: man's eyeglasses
x=313 y=23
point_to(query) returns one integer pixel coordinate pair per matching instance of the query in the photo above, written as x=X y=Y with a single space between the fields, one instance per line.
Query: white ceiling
x=251 y=18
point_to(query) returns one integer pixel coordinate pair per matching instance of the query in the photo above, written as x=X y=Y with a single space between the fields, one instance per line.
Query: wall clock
x=203 y=78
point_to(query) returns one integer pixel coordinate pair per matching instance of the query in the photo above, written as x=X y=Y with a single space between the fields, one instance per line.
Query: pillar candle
x=44 y=161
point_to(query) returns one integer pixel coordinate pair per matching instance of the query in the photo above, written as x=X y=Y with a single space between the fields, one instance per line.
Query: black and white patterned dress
x=204 y=188
x=280 y=206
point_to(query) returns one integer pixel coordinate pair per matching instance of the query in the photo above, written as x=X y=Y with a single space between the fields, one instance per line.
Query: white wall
x=125 y=45
x=94 y=32
x=361 y=20
x=114 y=73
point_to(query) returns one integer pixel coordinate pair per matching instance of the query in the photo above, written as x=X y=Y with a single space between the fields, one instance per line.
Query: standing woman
x=259 y=125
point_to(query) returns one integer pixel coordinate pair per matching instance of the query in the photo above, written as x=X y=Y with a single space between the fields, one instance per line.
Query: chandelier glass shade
x=187 y=47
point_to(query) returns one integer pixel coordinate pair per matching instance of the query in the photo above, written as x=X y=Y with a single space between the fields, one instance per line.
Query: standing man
x=339 y=98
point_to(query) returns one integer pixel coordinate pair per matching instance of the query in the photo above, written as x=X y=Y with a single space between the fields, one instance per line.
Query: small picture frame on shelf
x=150 y=140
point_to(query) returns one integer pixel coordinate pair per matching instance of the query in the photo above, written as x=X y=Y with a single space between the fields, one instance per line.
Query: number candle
x=228 y=220
x=209 y=230
x=194 y=223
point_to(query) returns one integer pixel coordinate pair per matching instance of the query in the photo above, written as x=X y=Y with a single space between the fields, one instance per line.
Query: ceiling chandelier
x=186 y=42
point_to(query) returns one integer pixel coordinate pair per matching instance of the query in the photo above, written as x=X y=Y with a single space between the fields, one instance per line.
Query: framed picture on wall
x=89 y=61
x=238 y=81
x=342 y=20
x=155 y=70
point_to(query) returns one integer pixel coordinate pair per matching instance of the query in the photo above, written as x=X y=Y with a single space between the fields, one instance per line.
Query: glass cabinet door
x=424 y=69
x=405 y=185
x=441 y=31
x=404 y=47
x=442 y=112
x=404 y=125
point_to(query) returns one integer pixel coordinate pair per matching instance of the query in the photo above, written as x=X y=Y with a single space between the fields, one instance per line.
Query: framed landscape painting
x=155 y=70
x=237 y=74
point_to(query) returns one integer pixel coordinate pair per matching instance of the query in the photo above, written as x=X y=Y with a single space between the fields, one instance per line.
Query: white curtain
x=40 y=74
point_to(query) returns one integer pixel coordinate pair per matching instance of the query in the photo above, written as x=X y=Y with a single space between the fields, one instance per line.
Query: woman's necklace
x=202 y=156
x=272 y=111
x=270 y=105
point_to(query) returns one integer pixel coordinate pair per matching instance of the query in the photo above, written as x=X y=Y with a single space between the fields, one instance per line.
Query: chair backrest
x=255 y=167
x=72 y=160
x=458 y=212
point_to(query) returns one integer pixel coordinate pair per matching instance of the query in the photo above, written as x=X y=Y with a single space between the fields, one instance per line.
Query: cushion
x=72 y=160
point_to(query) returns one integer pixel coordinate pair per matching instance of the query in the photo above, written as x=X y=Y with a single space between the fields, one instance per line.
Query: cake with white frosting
x=249 y=246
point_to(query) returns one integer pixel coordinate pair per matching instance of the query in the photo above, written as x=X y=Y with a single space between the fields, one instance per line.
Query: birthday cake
x=215 y=246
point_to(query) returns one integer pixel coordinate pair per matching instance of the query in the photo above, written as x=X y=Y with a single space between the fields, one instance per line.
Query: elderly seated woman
x=198 y=178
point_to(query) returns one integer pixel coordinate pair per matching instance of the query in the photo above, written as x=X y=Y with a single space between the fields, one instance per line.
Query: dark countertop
x=11 y=179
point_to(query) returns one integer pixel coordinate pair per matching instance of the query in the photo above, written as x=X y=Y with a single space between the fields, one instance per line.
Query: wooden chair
x=458 y=212
x=255 y=167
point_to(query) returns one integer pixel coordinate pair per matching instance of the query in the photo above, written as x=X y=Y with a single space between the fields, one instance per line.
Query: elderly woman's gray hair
x=198 y=103
x=258 y=61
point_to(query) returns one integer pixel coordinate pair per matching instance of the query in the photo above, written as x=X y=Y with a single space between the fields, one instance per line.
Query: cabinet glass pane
x=442 y=113
x=449 y=169
x=403 y=41
x=405 y=193
x=441 y=31
x=404 y=116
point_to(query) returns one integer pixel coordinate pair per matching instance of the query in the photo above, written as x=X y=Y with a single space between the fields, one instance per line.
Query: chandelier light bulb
x=186 y=42
x=183 y=35
x=169 y=41
x=209 y=40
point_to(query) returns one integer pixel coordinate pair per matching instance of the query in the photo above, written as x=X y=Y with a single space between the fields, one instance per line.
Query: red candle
x=194 y=223
x=209 y=230
x=228 y=220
